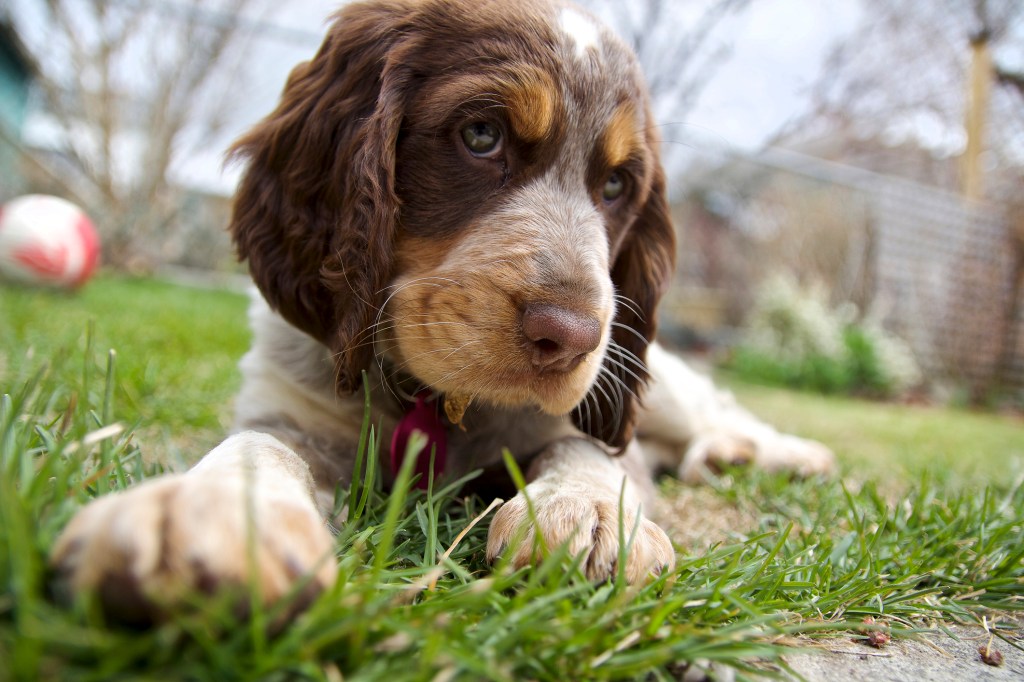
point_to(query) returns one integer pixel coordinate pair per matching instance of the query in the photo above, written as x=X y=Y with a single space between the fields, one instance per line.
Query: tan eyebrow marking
x=532 y=102
x=621 y=138
x=528 y=97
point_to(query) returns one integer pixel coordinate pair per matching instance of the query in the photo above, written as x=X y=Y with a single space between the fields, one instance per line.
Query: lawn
x=177 y=353
x=892 y=441
x=807 y=558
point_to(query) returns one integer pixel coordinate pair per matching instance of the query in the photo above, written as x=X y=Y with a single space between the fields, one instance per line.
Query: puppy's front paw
x=146 y=550
x=588 y=522
x=769 y=451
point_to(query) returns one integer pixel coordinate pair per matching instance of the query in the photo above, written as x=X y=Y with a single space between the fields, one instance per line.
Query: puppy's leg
x=243 y=516
x=690 y=426
x=574 y=488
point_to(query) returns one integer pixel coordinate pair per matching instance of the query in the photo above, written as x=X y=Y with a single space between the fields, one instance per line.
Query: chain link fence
x=942 y=273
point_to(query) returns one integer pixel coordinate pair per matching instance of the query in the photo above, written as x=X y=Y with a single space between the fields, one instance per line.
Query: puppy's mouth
x=554 y=393
x=474 y=341
x=551 y=375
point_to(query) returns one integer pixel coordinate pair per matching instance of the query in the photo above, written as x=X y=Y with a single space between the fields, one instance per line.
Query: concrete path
x=936 y=658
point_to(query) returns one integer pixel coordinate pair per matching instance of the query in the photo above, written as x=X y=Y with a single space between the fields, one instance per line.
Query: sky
x=777 y=48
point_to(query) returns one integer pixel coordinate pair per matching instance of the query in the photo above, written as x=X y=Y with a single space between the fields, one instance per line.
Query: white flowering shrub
x=789 y=323
x=896 y=363
x=795 y=338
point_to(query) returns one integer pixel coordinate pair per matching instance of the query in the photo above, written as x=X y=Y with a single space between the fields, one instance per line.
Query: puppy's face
x=522 y=163
x=470 y=190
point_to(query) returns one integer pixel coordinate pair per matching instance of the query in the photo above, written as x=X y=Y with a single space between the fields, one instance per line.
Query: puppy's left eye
x=482 y=139
x=614 y=186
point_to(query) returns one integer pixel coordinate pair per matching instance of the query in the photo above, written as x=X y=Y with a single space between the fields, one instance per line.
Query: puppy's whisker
x=379 y=327
x=370 y=342
x=433 y=351
x=623 y=386
x=583 y=410
x=424 y=281
x=627 y=370
x=392 y=327
x=596 y=411
x=631 y=331
x=627 y=354
x=420 y=281
x=450 y=352
x=619 y=413
x=462 y=347
x=394 y=343
x=344 y=273
x=629 y=303
x=369 y=335
x=615 y=405
x=614 y=384
x=439 y=323
x=448 y=376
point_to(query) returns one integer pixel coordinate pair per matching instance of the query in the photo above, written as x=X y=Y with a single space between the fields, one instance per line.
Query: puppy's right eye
x=482 y=139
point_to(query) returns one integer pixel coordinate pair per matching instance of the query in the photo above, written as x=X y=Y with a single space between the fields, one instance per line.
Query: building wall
x=14 y=82
x=13 y=88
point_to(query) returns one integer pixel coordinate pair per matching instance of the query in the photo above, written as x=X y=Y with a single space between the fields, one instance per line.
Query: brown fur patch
x=532 y=105
x=621 y=138
x=527 y=95
x=422 y=254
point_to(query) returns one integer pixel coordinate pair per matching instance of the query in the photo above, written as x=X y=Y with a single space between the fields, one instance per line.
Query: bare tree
x=945 y=76
x=130 y=87
x=1011 y=78
x=906 y=73
x=680 y=47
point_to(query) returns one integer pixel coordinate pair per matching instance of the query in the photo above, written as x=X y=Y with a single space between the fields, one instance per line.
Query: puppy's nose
x=560 y=337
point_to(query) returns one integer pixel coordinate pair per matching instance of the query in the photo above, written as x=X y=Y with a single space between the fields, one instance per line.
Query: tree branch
x=1013 y=79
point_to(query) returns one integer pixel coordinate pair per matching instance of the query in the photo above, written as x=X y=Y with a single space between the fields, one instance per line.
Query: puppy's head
x=473 y=191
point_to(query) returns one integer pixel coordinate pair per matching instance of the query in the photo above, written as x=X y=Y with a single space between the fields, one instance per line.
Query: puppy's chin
x=553 y=393
x=559 y=394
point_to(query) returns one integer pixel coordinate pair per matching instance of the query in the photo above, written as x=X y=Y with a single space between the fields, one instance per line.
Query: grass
x=816 y=559
x=894 y=441
x=177 y=349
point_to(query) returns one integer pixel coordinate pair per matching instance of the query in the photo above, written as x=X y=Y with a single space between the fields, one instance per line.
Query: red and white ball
x=47 y=240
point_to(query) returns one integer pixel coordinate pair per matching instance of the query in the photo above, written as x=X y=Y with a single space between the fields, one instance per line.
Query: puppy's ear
x=641 y=273
x=315 y=212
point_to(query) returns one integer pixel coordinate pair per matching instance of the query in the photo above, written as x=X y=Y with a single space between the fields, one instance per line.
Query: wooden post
x=977 y=110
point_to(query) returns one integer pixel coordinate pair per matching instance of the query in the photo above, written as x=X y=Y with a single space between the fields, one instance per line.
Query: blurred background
x=847 y=178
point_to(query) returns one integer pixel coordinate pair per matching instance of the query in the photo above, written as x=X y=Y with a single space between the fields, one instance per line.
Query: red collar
x=422 y=417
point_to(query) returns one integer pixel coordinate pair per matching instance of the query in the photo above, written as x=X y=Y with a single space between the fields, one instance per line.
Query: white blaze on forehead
x=583 y=32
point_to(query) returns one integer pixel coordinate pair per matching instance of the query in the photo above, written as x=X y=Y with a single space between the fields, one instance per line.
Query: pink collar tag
x=421 y=417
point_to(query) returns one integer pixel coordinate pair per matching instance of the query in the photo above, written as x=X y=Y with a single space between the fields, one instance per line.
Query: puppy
x=464 y=201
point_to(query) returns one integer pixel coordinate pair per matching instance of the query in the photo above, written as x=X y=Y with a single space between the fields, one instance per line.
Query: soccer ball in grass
x=47 y=240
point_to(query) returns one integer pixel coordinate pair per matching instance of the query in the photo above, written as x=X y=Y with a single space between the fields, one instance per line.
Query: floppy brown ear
x=315 y=212
x=641 y=273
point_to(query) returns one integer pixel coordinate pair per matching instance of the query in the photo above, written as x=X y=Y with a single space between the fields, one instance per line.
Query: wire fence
x=941 y=272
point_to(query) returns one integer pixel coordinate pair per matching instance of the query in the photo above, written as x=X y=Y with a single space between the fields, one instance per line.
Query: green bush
x=794 y=338
x=813 y=373
x=865 y=372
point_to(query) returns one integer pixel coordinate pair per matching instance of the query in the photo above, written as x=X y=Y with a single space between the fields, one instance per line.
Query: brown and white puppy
x=464 y=200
